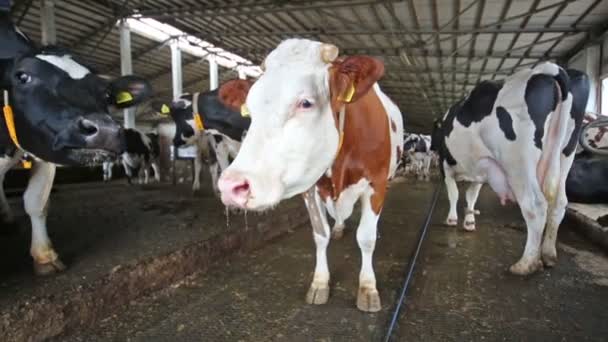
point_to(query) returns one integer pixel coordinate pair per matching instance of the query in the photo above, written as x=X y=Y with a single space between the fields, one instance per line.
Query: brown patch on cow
x=359 y=159
x=233 y=93
x=399 y=153
x=393 y=126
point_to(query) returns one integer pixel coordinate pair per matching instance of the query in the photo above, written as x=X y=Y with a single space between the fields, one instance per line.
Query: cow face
x=293 y=138
x=181 y=113
x=61 y=108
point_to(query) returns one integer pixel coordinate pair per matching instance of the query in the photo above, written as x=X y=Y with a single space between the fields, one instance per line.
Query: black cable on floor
x=412 y=263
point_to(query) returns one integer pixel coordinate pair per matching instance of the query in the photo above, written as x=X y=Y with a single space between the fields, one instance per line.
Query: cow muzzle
x=93 y=132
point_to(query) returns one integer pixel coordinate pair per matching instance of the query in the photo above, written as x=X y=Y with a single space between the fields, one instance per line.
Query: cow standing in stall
x=141 y=153
x=418 y=148
x=320 y=127
x=519 y=136
x=57 y=110
x=218 y=135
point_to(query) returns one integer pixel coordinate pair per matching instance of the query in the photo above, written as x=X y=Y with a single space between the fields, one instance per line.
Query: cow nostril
x=242 y=188
x=87 y=127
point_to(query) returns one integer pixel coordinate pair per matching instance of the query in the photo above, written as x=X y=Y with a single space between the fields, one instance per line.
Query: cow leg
x=198 y=165
x=469 y=217
x=36 y=198
x=318 y=293
x=127 y=168
x=534 y=207
x=214 y=171
x=146 y=169
x=368 y=299
x=427 y=168
x=337 y=232
x=156 y=169
x=6 y=163
x=452 y=188
x=110 y=167
x=555 y=215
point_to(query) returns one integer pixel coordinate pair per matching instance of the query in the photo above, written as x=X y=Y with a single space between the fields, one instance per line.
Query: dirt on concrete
x=461 y=289
x=120 y=242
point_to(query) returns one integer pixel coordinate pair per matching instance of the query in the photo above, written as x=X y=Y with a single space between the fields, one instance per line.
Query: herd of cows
x=317 y=124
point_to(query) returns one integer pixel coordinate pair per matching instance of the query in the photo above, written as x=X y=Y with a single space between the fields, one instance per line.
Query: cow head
x=60 y=106
x=230 y=96
x=293 y=138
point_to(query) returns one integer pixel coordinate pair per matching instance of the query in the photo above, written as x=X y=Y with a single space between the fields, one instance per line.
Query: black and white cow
x=418 y=148
x=141 y=154
x=60 y=116
x=224 y=127
x=519 y=136
x=587 y=180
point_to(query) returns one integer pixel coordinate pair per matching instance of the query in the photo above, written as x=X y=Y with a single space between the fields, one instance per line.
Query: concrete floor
x=461 y=290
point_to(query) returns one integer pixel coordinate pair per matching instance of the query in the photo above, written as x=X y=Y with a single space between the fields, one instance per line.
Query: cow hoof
x=368 y=300
x=317 y=295
x=337 y=234
x=469 y=226
x=451 y=222
x=525 y=268
x=49 y=268
x=549 y=258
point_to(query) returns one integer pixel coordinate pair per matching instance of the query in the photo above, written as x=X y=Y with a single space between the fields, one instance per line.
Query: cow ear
x=353 y=76
x=233 y=95
x=127 y=91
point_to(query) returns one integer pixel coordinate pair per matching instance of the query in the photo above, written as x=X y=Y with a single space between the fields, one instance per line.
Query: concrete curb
x=45 y=317
x=589 y=227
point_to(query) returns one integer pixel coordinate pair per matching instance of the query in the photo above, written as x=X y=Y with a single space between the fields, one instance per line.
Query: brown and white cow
x=320 y=126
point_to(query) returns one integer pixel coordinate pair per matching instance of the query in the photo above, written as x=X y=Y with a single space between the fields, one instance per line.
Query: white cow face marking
x=293 y=137
x=67 y=64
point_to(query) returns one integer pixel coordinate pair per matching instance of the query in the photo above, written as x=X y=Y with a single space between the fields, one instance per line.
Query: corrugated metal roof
x=434 y=50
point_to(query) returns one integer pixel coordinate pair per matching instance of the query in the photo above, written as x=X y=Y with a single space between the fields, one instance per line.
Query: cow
x=322 y=127
x=519 y=136
x=222 y=129
x=418 y=148
x=587 y=181
x=57 y=110
x=141 y=153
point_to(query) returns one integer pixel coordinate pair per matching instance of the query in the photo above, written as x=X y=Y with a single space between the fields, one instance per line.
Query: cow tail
x=549 y=166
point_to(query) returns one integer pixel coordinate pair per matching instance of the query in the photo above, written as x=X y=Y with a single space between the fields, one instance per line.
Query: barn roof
x=434 y=50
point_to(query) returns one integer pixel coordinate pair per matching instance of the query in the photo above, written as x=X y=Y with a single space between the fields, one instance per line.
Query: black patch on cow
x=218 y=138
x=479 y=104
x=587 y=180
x=541 y=98
x=438 y=139
x=579 y=87
x=420 y=146
x=505 y=122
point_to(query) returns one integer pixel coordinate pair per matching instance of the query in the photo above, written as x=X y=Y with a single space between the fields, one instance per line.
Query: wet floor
x=461 y=290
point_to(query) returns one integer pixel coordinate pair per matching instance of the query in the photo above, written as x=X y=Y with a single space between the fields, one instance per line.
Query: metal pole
x=47 y=22
x=126 y=67
x=176 y=70
x=213 y=74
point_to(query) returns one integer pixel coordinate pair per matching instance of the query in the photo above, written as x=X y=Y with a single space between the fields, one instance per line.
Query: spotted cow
x=223 y=126
x=322 y=127
x=519 y=136
x=57 y=110
x=418 y=148
x=141 y=153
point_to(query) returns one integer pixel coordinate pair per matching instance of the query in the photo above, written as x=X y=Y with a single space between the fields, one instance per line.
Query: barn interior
x=152 y=262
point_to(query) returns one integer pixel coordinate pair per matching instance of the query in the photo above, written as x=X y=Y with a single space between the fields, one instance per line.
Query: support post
x=126 y=67
x=213 y=74
x=176 y=70
x=47 y=22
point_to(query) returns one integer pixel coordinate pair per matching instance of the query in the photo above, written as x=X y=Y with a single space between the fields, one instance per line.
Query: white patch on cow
x=394 y=116
x=67 y=64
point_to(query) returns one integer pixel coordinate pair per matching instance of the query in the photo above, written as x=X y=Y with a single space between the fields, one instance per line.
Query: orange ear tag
x=198 y=122
x=347 y=96
x=10 y=124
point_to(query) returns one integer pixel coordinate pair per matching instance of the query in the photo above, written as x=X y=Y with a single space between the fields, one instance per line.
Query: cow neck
x=198 y=120
x=9 y=119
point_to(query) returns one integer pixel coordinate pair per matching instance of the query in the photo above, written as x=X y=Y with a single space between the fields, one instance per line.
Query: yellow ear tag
x=198 y=122
x=27 y=164
x=245 y=111
x=165 y=109
x=347 y=96
x=123 y=97
x=10 y=124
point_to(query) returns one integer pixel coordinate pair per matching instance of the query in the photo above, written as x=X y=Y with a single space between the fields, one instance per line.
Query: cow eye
x=23 y=77
x=305 y=104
